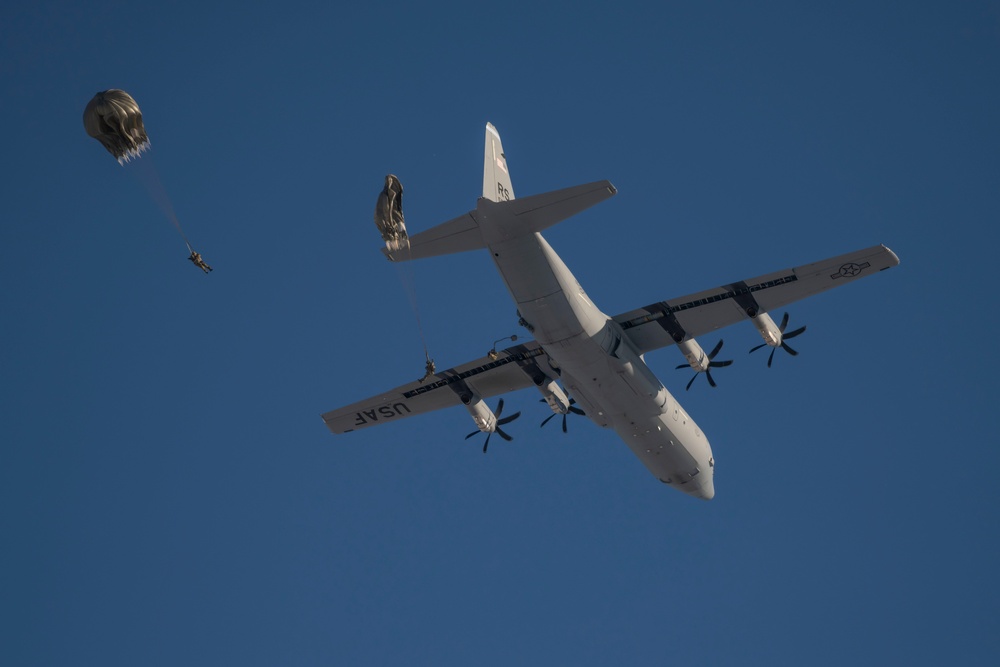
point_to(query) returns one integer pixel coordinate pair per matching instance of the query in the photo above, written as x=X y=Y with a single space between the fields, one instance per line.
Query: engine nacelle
x=769 y=331
x=484 y=418
x=695 y=356
x=555 y=397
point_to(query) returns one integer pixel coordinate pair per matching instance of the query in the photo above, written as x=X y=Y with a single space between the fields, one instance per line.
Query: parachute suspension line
x=146 y=172
x=389 y=221
x=405 y=271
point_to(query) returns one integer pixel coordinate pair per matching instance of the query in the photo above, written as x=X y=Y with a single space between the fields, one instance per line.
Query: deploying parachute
x=389 y=220
x=389 y=215
x=114 y=119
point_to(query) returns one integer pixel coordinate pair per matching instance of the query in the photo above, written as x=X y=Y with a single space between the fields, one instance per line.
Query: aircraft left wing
x=666 y=322
x=517 y=367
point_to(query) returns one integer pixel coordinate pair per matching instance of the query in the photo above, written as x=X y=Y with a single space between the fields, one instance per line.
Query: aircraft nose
x=705 y=490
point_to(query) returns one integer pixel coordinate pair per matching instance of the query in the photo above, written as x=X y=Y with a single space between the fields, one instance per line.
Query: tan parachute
x=389 y=215
x=389 y=220
x=113 y=118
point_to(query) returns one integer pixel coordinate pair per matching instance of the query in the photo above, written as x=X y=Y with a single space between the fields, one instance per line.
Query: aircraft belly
x=524 y=269
x=648 y=419
x=552 y=318
x=657 y=446
x=549 y=299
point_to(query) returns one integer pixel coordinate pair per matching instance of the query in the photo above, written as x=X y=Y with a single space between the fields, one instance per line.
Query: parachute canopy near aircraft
x=113 y=118
x=389 y=215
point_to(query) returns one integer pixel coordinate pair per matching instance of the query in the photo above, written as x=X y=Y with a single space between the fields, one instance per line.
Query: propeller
x=784 y=337
x=711 y=365
x=497 y=429
x=574 y=410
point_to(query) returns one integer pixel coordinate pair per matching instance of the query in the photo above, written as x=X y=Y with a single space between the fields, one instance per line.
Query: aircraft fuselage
x=597 y=363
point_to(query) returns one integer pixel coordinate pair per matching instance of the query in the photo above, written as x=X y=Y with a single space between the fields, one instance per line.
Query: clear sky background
x=170 y=496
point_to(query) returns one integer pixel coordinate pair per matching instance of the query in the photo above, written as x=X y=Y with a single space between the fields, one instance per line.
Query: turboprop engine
x=696 y=356
x=559 y=403
x=486 y=420
x=774 y=335
x=768 y=330
x=553 y=394
x=699 y=361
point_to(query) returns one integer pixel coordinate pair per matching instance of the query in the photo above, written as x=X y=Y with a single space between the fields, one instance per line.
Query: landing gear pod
x=389 y=215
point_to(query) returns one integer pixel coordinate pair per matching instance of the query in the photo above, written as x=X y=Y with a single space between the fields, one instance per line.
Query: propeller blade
x=720 y=364
x=754 y=349
x=546 y=420
x=508 y=419
x=784 y=323
x=577 y=411
x=708 y=374
x=691 y=382
x=715 y=351
x=499 y=409
x=503 y=435
x=472 y=434
x=487 y=443
x=684 y=366
x=564 y=424
x=793 y=334
x=788 y=349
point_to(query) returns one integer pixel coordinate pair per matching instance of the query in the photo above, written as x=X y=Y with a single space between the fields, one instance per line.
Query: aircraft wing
x=666 y=322
x=517 y=367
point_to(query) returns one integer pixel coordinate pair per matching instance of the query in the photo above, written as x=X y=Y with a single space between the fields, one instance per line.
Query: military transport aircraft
x=597 y=359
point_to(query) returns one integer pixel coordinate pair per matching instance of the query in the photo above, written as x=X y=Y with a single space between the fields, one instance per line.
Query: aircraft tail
x=496 y=177
x=496 y=215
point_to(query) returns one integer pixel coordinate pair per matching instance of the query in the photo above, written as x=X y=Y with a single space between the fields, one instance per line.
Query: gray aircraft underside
x=595 y=358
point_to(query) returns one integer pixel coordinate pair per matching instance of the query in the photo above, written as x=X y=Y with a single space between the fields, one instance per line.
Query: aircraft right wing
x=666 y=322
x=517 y=367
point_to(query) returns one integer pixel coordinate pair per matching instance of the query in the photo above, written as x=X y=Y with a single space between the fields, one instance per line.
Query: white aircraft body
x=597 y=359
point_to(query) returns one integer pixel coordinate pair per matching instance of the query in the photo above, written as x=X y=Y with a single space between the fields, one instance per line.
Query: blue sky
x=169 y=494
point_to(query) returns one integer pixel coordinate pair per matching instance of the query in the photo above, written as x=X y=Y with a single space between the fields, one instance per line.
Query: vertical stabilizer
x=496 y=178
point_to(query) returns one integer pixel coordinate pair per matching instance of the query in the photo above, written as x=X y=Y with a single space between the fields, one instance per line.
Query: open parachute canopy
x=114 y=119
x=389 y=215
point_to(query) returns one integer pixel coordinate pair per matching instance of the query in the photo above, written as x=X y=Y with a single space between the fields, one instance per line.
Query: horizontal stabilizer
x=508 y=219
x=538 y=212
x=556 y=206
x=457 y=235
